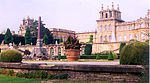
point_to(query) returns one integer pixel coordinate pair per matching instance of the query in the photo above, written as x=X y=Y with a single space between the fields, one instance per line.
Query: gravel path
x=87 y=63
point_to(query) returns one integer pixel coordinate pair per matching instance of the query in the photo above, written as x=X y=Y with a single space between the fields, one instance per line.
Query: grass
x=10 y=79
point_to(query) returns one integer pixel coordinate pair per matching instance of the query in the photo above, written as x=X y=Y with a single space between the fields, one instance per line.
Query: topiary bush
x=88 y=49
x=10 y=56
x=135 y=54
x=121 y=46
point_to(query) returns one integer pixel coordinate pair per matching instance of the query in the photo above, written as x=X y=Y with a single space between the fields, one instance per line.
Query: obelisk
x=39 y=51
x=39 y=40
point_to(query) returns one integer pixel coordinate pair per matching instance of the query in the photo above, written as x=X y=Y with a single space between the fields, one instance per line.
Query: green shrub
x=11 y=72
x=101 y=56
x=88 y=49
x=115 y=56
x=135 y=54
x=61 y=76
x=110 y=56
x=10 y=56
x=87 y=57
x=121 y=46
x=3 y=71
x=147 y=40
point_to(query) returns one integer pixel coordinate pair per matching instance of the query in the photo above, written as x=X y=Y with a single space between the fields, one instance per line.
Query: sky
x=76 y=15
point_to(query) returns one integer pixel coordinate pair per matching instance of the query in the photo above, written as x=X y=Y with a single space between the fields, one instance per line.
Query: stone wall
x=129 y=73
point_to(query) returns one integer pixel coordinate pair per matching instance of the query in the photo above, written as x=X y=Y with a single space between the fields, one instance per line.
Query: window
x=130 y=27
x=125 y=28
x=110 y=14
x=101 y=28
x=135 y=37
x=51 y=51
x=142 y=36
x=130 y=36
x=59 y=51
x=135 y=26
x=110 y=38
x=105 y=37
x=119 y=37
x=101 y=39
x=102 y=14
x=142 y=25
x=109 y=27
x=120 y=29
x=106 y=15
x=125 y=38
x=105 y=27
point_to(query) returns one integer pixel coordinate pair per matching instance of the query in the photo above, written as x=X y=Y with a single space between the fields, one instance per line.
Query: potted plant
x=72 y=48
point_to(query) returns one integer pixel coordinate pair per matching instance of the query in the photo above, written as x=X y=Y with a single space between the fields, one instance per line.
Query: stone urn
x=72 y=54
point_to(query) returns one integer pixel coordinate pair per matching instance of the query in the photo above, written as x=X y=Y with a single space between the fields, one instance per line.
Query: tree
x=46 y=39
x=16 y=39
x=90 y=39
x=88 y=49
x=8 y=37
x=60 y=40
x=121 y=46
x=1 y=38
x=28 y=37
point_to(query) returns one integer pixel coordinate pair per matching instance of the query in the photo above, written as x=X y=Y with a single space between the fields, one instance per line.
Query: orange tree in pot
x=72 y=48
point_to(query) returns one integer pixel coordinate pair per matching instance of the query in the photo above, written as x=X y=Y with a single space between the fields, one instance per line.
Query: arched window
x=51 y=51
x=101 y=39
x=105 y=37
x=105 y=27
x=142 y=25
x=109 y=27
x=119 y=37
x=130 y=36
x=106 y=15
x=102 y=14
x=101 y=28
x=110 y=38
x=125 y=38
x=59 y=51
x=110 y=14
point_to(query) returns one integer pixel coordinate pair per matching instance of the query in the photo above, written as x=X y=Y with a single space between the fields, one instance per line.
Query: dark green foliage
x=110 y=56
x=147 y=41
x=34 y=39
x=10 y=56
x=27 y=52
x=8 y=37
x=88 y=49
x=121 y=46
x=16 y=39
x=45 y=40
x=22 y=40
x=50 y=36
x=60 y=40
x=61 y=76
x=135 y=54
x=89 y=57
x=91 y=39
x=1 y=38
x=11 y=72
x=72 y=43
x=28 y=37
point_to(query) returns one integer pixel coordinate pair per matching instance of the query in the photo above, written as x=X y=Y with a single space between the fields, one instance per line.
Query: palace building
x=111 y=28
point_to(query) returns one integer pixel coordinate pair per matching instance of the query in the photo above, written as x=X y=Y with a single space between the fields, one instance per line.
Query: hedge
x=89 y=57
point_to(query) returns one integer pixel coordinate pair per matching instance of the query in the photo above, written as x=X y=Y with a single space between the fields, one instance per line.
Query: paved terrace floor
x=86 y=63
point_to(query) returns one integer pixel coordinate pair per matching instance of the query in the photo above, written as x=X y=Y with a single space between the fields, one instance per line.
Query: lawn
x=10 y=79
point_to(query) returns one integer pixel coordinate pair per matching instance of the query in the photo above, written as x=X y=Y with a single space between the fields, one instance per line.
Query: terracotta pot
x=72 y=54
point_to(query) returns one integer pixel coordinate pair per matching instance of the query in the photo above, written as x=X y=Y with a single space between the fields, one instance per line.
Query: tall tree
x=28 y=38
x=46 y=39
x=1 y=38
x=91 y=39
x=8 y=37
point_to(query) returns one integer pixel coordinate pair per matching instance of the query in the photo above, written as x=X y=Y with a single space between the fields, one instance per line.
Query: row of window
x=121 y=38
x=130 y=27
x=124 y=38
x=105 y=38
x=105 y=28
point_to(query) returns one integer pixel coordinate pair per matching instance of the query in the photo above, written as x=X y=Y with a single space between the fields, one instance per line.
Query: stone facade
x=111 y=28
x=26 y=23
x=61 y=33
